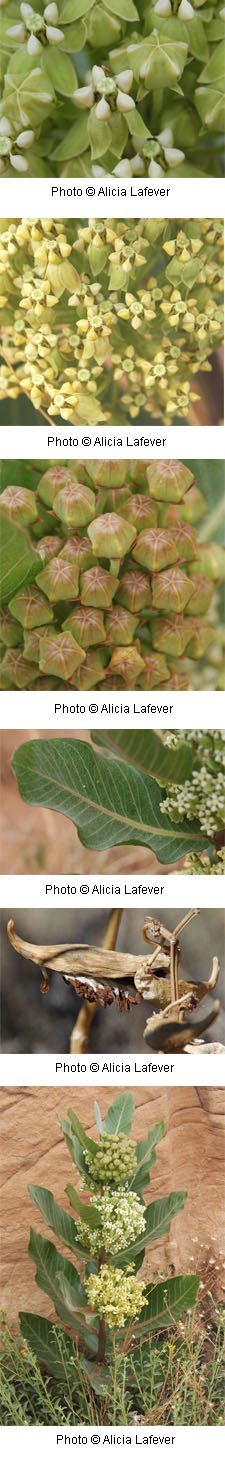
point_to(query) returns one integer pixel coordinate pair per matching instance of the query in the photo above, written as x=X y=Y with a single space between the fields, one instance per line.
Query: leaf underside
x=110 y=802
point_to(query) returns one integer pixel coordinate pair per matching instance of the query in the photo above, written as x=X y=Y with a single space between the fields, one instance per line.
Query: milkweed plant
x=109 y=320
x=104 y=1303
x=112 y=88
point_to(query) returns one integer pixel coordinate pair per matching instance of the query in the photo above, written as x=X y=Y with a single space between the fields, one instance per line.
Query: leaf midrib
x=123 y=819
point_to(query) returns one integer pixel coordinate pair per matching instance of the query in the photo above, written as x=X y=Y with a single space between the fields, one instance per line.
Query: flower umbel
x=115 y=1160
x=117 y=1298
x=123 y=1218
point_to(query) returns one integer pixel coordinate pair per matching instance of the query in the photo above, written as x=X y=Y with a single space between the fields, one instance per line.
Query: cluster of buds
x=201 y=865
x=115 y=1160
x=159 y=77
x=109 y=310
x=122 y=1219
x=121 y=586
x=116 y=1297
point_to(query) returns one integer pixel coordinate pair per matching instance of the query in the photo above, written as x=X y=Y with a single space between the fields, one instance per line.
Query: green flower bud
x=210 y=561
x=111 y=536
x=194 y=506
x=52 y=481
x=127 y=662
x=86 y=625
x=18 y=673
x=59 y=580
x=97 y=587
x=10 y=633
x=75 y=505
x=48 y=547
x=171 y=590
x=200 y=637
x=169 y=480
x=133 y=591
x=114 y=1161
x=91 y=671
x=84 y=97
x=54 y=35
x=121 y=625
x=59 y=654
x=78 y=550
x=30 y=608
x=155 y=549
x=110 y=474
x=201 y=596
x=170 y=635
x=19 y=505
x=141 y=512
x=156 y=671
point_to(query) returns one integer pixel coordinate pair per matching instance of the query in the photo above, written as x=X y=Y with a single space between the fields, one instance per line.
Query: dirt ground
x=190 y=1157
x=37 y=840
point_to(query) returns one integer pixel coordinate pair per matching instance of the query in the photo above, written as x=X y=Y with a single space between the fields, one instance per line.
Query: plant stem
x=101 y=1341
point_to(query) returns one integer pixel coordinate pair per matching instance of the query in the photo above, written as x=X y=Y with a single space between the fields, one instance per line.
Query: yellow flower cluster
x=116 y=1297
x=109 y=318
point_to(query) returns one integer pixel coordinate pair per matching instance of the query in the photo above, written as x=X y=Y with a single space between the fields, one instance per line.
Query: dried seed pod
x=111 y=536
x=86 y=625
x=169 y=480
x=75 y=505
x=156 y=549
x=97 y=587
x=59 y=654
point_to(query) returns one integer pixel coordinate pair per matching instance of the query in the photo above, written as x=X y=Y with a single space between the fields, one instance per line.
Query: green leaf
x=45 y=1340
x=58 y=1220
x=167 y=1303
x=112 y=803
x=74 y=1146
x=146 y=1156
x=100 y=1377
x=149 y=753
x=52 y=1270
x=60 y=70
x=158 y=1220
x=87 y=1213
x=75 y=141
x=119 y=1117
x=19 y=564
x=80 y=1132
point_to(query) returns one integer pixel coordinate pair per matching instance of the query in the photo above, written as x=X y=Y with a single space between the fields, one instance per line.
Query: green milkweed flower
x=123 y=1218
x=116 y=1297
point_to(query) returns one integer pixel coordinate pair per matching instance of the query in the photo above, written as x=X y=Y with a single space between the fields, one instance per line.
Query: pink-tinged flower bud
x=185 y=540
x=121 y=626
x=79 y=551
x=86 y=625
x=127 y=662
x=19 y=505
x=141 y=512
x=178 y=682
x=115 y=500
x=91 y=672
x=156 y=549
x=200 y=637
x=170 y=635
x=48 y=547
x=30 y=608
x=59 y=580
x=52 y=481
x=111 y=536
x=156 y=671
x=201 y=596
x=60 y=655
x=75 y=505
x=14 y=671
x=10 y=632
x=32 y=640
x=133 y=591
x=169 y=480
x=171 y=590
x=97 y=587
